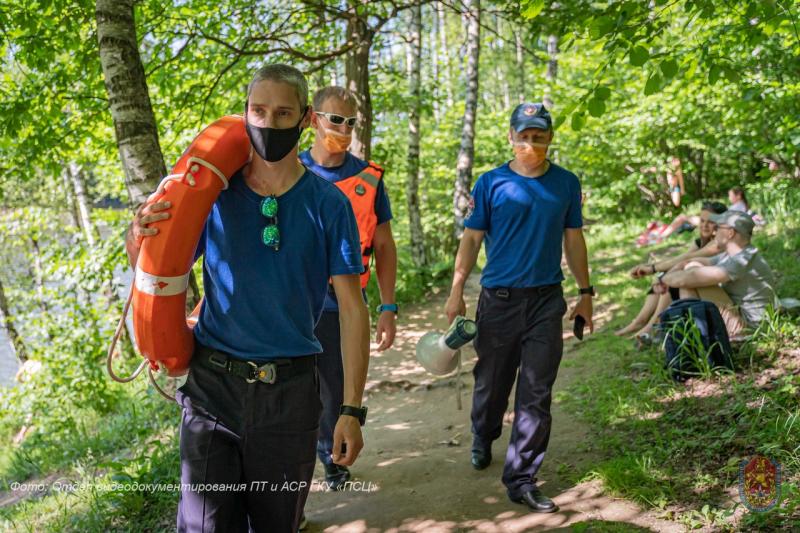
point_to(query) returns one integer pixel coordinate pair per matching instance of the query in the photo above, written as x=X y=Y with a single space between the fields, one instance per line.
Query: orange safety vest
x=362 y=189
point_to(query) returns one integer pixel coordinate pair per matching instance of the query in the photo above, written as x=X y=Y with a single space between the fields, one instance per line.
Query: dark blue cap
x=530 y=115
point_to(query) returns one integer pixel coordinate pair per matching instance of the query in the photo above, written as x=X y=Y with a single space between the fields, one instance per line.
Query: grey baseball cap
x=740 y=221
x=530 y=115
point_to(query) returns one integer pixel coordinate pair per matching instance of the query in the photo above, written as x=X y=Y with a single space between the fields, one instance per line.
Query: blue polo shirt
x=524 y=220
x=351 y=166
x=263 y=304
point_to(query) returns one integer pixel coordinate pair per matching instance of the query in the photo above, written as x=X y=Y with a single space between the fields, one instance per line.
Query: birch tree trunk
x=444 y=54
x=129 y=101
x=70 y=195
x=552 y=70
x=436 y=89
x=500 y=67
x=521 y=89
x=36 y=271
x=8 y=322
x=413 y=53
x=76 y=177
x=466 y=153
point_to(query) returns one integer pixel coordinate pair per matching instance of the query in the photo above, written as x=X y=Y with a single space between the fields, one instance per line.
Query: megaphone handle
x=458 y=379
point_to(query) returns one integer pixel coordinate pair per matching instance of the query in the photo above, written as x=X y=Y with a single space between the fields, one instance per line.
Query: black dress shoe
x=481 y=458
x=536 y=501
x=336 y=476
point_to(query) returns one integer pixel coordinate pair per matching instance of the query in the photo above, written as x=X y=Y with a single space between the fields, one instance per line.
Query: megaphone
x=437 y=352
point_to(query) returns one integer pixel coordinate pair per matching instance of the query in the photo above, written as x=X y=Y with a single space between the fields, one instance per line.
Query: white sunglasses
x=333 y=118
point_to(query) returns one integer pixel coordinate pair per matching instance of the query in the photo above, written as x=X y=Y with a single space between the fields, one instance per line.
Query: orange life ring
x=163 y=332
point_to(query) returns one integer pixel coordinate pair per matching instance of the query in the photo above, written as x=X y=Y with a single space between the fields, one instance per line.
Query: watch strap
x=388 y=307
x=358 y=412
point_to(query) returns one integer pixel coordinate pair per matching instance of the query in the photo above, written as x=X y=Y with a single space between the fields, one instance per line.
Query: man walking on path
x=362 y=182
x=525 y=209
x=251 y=408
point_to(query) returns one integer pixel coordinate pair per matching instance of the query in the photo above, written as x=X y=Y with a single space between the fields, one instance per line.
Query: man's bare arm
x=466 y=258
x=694 y=277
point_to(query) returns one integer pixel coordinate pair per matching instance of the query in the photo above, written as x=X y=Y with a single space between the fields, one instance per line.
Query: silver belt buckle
x=265 y=373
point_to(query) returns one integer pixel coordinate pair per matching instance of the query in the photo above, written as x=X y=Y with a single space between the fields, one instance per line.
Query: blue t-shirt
x=263 y=304
x=352 y=165
x=524 y=220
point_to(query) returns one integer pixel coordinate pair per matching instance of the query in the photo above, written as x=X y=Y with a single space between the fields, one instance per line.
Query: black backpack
x=694 y=336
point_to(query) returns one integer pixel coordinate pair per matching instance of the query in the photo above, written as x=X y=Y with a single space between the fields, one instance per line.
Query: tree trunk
x=520 y=67
x=700 y=163
x=71 y=203
x=37 y=275
x=357 y=74
x=8 y=322
x=434 y=54
x=552 y=70
x=466 y=153
x=79 y=192
x=129 y=101
x=444 y=54
x=500 y=66
x=413 y=54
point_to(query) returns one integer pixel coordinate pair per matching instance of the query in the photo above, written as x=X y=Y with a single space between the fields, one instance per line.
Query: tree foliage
x=715 y=83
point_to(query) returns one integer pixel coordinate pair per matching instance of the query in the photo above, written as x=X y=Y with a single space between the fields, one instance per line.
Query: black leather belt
x=506 y=293
x=252 y=371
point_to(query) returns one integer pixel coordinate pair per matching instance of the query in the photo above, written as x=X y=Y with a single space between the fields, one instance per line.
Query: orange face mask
x=530 y=154
x=335 y=142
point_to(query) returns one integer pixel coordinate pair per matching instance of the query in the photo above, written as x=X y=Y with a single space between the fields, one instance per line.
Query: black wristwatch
x=359 y=412
x=587 y=290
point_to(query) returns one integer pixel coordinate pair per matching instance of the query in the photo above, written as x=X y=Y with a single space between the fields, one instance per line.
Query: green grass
x=138 y=443
x=669 y=449
x=658 y=445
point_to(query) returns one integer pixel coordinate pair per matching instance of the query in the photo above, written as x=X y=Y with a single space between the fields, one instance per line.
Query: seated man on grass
x=739 y=280
x=704 y=246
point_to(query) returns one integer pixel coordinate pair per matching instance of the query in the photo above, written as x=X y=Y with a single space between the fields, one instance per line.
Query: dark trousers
x=331 y=381
x=255 y=441
x=519 y=337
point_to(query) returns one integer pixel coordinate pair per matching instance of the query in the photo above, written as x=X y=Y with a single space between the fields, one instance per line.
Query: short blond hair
x=334 y=92
x=284 y=74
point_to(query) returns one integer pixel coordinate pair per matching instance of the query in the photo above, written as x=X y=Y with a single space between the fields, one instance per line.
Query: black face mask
x=273 y=144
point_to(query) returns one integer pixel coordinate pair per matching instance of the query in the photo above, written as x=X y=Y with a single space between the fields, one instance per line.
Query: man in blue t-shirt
x=333 y=121
x=271 y=243
x=524 y=210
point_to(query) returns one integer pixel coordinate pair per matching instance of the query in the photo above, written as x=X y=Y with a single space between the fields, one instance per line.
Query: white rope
x=142 y=365
x=114 y=345
x=159 y=389
x=210 y=167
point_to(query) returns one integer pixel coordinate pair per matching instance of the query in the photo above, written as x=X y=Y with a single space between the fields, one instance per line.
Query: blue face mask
x=273 y=144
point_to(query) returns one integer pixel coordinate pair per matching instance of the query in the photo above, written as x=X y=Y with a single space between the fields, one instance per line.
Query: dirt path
x=415 y=472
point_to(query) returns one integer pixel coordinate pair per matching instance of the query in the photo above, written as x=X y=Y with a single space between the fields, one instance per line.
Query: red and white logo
x=470 y=207
x=530 y=110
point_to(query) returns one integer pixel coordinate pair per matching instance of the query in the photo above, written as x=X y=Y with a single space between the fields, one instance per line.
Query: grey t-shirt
x=751 y=284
